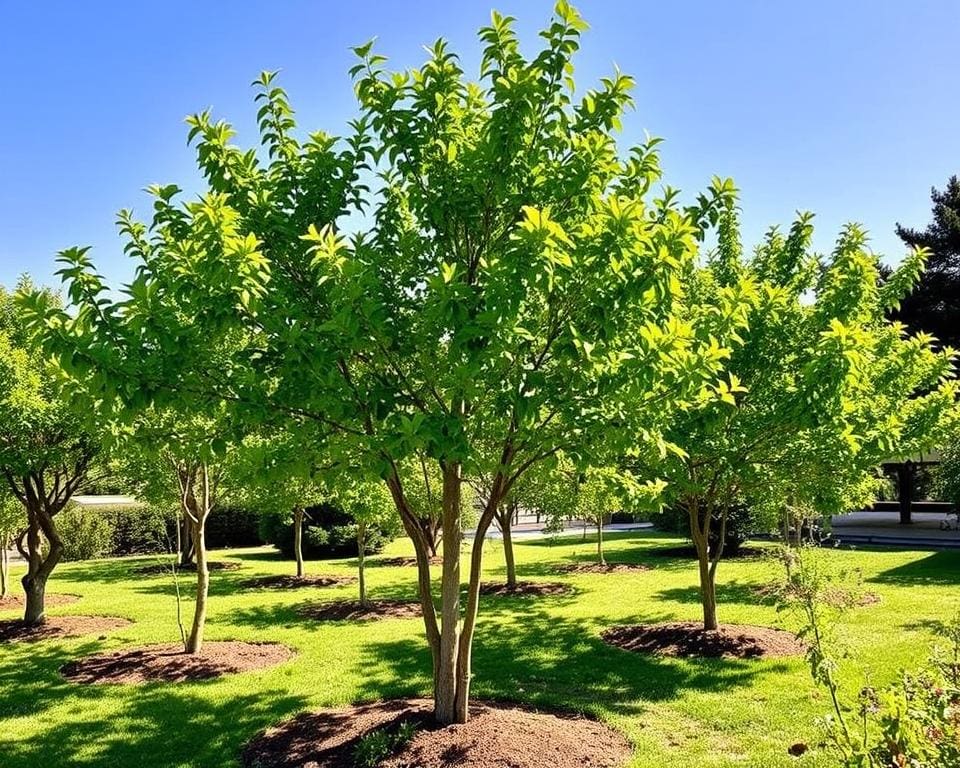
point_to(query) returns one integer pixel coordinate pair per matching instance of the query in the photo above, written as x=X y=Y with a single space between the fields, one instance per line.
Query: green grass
x=546 y=652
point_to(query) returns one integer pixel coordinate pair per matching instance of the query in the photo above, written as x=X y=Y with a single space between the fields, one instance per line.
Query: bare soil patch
x=14 y=630
x=169 y=664
x=285 y=581
x=689 y=639
x=526 y=589
x=403 y=562
x=496 y=736
x=165 y=568
x=17 y=601
x=602 y=568
x=352 y=610
x=690 y=551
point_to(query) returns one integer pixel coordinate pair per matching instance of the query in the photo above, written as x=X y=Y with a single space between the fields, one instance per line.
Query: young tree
x=601 y=491
x=513 y=291
x=933 y=305
x=12 y=520
x=369 y=504
x=46 y=446
x=821 y=388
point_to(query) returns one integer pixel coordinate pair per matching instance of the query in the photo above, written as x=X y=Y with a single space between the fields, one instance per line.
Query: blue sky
x=848 y=109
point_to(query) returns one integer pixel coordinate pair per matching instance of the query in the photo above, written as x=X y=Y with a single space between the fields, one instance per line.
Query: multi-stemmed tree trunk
x=451 y=638
x=505 y=517
x=44 y=494
x=196 y=499
x=298 y=514
x=701 y=513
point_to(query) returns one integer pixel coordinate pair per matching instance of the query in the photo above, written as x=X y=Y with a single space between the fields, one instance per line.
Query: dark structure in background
x=934 y=306
x=905 y=473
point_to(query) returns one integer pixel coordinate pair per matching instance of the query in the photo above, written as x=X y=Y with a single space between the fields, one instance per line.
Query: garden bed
x=526 y=589
x=169 y=663
x=402 y=562
x=55 y=627
x=287 y=581
x=602 y=567
x=167 y=568
x=496 y=736
x=690 y=639
x=353 y=610
x=17 y=601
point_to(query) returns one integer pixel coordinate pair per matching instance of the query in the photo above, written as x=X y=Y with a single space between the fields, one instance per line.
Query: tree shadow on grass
x=550 y=661
x=942 y=567
x=727 y=592
x=161 y=726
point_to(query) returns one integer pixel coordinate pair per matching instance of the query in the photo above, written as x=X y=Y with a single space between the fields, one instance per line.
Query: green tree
x=513 y=289
x=933 y=305
x=820 y=390
x=601 y=491
x=12 y=521
x=46 y=444
x=369 y=504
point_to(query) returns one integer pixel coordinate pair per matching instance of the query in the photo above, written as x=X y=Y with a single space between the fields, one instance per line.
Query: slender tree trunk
x=4 y=569
x=188 y=546
x=600 y=557
x=195 y=640
x=446 y=682
x=506 y=528
x=708 y=593
x=700 y=533
x=361 y=552
x=298 y=539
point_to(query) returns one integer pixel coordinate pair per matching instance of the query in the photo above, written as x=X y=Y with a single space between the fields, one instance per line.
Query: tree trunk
x=600 y=558
x=195 y=640
x=187 y=544
x=4 y=570
x=361 y=552
x=700 y=533
x=506 y=528
x=298 y=539
x=708 y=593
x=39 y=567
x=447 y=663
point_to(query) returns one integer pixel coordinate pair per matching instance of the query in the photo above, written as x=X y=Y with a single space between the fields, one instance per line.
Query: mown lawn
x=545 y=651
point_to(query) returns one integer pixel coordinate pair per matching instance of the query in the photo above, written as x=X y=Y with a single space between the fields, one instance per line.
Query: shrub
x=233 y=527
x=90 y=532
x=741 y=522
x=328 y=532
x=86 y=533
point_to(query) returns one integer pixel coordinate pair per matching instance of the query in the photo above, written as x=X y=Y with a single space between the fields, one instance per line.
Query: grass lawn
x=544 y=651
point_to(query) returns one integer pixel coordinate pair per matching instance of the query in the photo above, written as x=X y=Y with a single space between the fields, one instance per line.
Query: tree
x=601 y=491
x=12 y=519
x=369 y=504
x=934 y=304
x=46 y=446
x=820 y=389
x=512 y=291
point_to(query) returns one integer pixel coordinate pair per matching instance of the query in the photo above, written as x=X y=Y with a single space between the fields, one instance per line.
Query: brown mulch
x=169 y=663
x=352 y=610
x=744 y=553
x=17 y=601
x=165 y=568
x=604 y=568
x=689 y=639
x=55 y=627
x=526 y=589
x=403 y=562
x=839 y=598
x=285 y=581
x=496 y=736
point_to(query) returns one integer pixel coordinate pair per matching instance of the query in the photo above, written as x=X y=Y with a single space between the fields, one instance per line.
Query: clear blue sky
x=847 y=108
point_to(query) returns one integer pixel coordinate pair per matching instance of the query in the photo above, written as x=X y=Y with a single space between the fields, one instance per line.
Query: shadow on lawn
x=729 y=592
x=941 y=567
x=162 y=725
x=539 y=658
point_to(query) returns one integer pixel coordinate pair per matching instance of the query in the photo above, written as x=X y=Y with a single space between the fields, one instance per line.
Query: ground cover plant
x=544 y=651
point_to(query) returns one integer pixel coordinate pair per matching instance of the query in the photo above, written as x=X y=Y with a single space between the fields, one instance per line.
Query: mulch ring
x=166 y=568
x=17 y=601
x=690 y=551
x=602 y=567
x=352 y=610
x=286 y=581
x=526 y=589
x=496 y=736
x=56 y=627
x=840 y=598
x=402 y=562
x=690 y=639
x=169 y=663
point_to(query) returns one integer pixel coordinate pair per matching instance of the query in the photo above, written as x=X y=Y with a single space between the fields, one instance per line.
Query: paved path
x=876 y=527
x=535 y=530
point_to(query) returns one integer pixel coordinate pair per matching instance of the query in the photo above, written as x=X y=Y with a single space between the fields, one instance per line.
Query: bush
x=741 y=522
x=328 y=532
x=85 y=532
x=233 y=527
